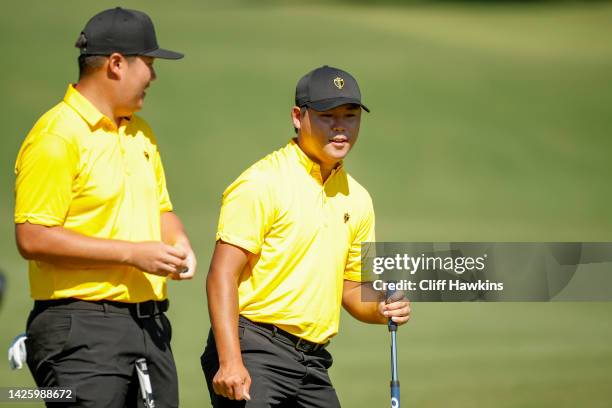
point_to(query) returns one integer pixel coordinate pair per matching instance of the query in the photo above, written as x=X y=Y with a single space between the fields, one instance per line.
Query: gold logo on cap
x=339 y=82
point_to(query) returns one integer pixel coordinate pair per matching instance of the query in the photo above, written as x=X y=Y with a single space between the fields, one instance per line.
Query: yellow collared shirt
x=77 y=170
x=306 y=236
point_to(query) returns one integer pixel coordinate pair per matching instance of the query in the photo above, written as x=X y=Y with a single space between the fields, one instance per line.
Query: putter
x=395 y=385
x=145 y=383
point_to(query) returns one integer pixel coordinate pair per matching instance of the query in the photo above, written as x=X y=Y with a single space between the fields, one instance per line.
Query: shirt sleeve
x=365 y=233
x=45 y=169
x=247 y=213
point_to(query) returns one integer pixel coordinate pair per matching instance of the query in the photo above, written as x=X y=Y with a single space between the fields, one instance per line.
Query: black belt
x=299 y=343
x=141 y=310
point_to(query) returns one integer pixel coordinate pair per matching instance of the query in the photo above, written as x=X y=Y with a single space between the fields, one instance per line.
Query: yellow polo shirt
x=77 y=170
x=306 y=235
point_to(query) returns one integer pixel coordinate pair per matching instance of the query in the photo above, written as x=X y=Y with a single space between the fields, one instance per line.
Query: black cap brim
x=164 y=54
x=322 y=106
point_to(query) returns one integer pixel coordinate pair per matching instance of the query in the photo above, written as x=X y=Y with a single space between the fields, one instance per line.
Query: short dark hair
x=87 y=63
x=90 y=63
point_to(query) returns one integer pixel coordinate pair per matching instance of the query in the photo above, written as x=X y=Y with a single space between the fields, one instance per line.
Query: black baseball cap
x=128 y=32
x=326 y=88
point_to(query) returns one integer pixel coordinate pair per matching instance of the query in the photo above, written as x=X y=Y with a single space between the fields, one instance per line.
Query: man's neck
x=97 y=95
x=326 y=171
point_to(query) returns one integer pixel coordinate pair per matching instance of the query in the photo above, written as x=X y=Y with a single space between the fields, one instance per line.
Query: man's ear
x=116 y=65
x=296 y=117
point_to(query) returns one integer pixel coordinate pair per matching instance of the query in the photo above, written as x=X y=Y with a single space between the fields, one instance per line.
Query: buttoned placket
x=316 y=174
x=122 y=140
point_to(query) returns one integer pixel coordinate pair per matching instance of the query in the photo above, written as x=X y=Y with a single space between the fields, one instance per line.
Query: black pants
x=93 y=352
x=281 y=375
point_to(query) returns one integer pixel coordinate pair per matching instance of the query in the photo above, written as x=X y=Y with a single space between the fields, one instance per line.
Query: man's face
x=328 y=136
x=137 y=76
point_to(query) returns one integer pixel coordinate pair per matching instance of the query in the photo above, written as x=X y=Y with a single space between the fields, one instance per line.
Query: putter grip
x=390 y=324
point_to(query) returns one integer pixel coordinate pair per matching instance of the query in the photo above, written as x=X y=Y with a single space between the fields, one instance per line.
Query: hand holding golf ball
x=190 y=262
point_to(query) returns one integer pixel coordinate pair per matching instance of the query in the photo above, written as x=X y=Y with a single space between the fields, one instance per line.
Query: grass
x=488 y=123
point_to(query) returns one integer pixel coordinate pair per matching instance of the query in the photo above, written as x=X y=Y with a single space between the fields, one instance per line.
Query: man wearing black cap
x=94 y=218
x=288 y=256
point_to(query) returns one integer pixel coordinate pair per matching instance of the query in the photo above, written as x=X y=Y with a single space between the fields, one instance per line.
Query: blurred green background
x=490 y=121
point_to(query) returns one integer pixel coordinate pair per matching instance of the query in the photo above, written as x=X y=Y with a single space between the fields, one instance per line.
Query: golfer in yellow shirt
x=288 y=255
x=94 y=218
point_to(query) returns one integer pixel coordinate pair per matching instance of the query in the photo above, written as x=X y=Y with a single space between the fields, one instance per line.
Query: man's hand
x=157 y=258
x=70 y=249
x=173 y=233
x=232 y=381
x=190 y=261
x=397 y=308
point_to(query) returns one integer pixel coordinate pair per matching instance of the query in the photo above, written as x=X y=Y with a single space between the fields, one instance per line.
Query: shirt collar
x=314 y=169
x=85 y=109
